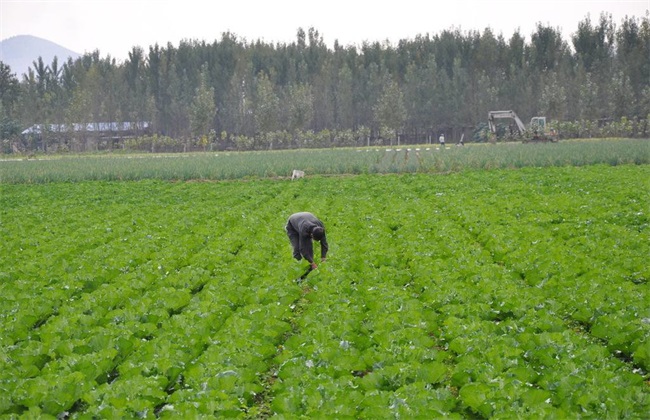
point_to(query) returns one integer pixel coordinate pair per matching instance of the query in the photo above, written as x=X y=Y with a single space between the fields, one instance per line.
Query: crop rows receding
x=482 y=294
x=336 y=161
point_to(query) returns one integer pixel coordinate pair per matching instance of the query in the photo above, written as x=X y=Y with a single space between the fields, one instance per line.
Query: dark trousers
x=294 y=237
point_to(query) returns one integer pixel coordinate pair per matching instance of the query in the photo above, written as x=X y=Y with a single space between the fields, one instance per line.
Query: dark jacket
x=299 y=228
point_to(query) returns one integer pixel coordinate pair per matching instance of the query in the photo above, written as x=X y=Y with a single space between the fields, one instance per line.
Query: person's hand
x=314 y=266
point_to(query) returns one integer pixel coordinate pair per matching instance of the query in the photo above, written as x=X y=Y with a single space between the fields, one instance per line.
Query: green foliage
x=417 y=88
x=203 y=110
x=479 y=294
x=272 y=164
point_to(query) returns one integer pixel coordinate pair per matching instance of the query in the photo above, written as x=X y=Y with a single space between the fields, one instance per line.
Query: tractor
x=537 y=130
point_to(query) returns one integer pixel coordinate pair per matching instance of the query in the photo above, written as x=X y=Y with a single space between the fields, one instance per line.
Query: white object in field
x=297 y=174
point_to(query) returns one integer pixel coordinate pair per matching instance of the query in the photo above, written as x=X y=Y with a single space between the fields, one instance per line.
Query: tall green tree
x=299 y=107
x=548 y=49
x=203 y=110
x=9 y=97
x=238 y=105
x=553 y=98
x=420 y=88
x=344 y=99
x=9 y=90
x=594 y=45
x=633 y=57
x=595 y=49
x=623 y=98
x=588 y=98
x=266 y=105
x=56 y=97
x=390 y=111
x=135 y=104
x=78 y=113
x=266 y=111
x=447 y=81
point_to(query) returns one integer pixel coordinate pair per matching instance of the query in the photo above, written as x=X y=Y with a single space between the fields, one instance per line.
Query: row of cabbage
x=486 y=294
x=586 y=251
x=432 y=316
x=121 y=303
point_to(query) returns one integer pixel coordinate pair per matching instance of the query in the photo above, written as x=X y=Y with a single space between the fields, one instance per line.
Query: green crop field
x=501 y=288
x=274 y=164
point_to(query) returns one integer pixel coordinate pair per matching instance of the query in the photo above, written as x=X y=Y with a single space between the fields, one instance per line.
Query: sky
x=114 y=27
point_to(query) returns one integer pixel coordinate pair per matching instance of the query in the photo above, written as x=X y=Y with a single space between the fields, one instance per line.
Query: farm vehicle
x=537 y=131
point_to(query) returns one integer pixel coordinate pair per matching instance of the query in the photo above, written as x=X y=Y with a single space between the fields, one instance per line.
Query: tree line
x=259 y=95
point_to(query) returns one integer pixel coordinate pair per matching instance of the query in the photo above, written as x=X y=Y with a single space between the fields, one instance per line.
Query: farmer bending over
x=302 y=228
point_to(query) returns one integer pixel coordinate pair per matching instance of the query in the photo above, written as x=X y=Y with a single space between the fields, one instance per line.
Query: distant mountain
x=20 y=52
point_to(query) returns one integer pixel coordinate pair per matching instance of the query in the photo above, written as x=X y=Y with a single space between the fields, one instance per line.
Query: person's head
x=317 y=233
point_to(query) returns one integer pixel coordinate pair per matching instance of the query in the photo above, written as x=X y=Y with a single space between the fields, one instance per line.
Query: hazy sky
x=115 y=26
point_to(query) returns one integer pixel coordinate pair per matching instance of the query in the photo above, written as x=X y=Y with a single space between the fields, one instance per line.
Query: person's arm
x=324 y=247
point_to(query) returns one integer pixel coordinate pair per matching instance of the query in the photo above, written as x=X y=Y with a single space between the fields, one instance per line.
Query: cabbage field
x=483 y=293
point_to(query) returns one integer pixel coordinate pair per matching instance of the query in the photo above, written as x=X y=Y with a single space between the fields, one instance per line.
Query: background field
x=477 y=293
x=337 y=161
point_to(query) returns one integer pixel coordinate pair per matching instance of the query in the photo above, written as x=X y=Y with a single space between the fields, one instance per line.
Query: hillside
x=20 y=52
